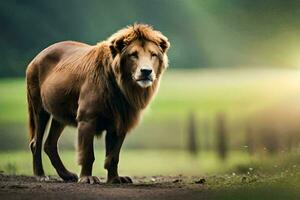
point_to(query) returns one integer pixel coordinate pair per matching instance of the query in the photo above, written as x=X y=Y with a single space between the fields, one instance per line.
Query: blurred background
x=229 y=102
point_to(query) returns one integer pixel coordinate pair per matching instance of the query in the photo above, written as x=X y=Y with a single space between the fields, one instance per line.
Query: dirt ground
x=157 y=187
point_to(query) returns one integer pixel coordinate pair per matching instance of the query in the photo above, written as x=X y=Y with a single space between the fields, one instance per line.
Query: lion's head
x=139 y=56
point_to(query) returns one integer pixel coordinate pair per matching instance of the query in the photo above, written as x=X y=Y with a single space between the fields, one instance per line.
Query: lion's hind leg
x=50 y=148
x=41 y=120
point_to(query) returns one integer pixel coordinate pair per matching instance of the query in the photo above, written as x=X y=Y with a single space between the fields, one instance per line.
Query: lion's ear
x=117 y=46
x=164 y=43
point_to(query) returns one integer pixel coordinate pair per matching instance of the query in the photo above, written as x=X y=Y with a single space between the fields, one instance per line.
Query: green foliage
x=212 y=33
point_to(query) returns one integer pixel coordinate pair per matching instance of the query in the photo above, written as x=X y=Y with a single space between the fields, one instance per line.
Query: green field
x=238 y=92
x=133 y=162
x=262 y=169
x=162 y=162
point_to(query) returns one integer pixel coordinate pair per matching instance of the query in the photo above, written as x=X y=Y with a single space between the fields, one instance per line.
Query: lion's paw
x=42 y=178
x=89 y=179
x=120 y=180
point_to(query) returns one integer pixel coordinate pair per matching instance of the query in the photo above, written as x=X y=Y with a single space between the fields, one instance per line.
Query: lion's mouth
x=144 y=82
x=148 y=78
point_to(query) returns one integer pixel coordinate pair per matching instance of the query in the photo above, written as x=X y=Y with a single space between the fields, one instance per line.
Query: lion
x=99 y=88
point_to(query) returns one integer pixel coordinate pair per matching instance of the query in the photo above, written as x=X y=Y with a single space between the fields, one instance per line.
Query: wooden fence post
x=221 y=136
x=192 y=135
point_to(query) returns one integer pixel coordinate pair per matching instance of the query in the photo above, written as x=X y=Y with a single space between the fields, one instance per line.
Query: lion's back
x=49 y=58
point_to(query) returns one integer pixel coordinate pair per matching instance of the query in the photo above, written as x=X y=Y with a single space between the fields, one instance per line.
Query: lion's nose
x=146 y=71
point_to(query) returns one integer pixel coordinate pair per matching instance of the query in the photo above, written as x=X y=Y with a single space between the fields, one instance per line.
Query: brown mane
x=125 y=37
x=139 y=32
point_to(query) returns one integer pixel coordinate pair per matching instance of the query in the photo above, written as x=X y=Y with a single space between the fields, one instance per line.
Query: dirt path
x=25 y=187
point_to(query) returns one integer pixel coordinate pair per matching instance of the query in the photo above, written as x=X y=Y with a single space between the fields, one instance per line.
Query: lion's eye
x=134 y=55
x=153 y=55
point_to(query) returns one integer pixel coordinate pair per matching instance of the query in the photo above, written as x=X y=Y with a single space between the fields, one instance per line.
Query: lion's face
x=139 y=56
x=140 y=63
x=143 y=63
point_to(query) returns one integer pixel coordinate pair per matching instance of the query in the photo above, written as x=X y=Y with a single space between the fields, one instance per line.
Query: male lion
x=96 y=88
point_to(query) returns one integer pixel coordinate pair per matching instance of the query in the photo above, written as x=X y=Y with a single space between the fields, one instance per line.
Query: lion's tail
x=31 y=116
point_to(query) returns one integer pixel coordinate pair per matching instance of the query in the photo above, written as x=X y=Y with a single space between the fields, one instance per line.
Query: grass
x=239 y=93
x=167 y=162
x=13 y=101
x=132 y=162
x=236 y=92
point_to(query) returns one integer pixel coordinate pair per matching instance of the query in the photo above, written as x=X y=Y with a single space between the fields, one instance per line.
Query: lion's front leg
x=86 y=158
x=113 y=143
